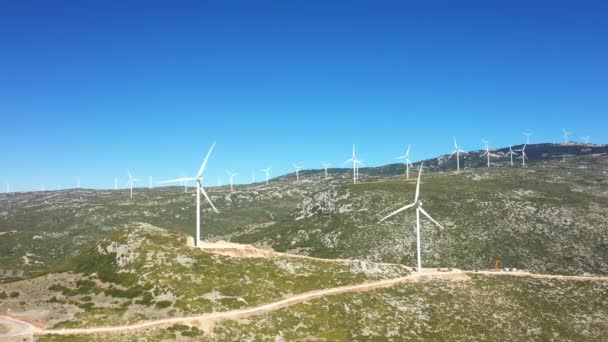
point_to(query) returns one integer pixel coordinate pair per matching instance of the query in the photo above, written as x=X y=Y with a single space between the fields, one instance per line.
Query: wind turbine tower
x=131 y=181
x=511 y=153
x=353 y=159
x=406 y=160
x=456 y=152
x=298 y=168
x=418 y=205
x=487 y=152
x=199 y=189
x=586 y=140
x=231 y=175
x=524 y=156
x=566 y=134
x=267 y=173
x=325 y=166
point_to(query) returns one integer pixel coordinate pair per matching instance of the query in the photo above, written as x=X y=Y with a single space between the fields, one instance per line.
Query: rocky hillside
x=144 y=272
x=549 y=216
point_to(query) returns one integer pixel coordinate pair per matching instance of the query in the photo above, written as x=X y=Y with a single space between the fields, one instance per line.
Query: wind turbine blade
x=208 y=199
x=430 y=218
x=202 y=169
x=398 y=211
x=348 y=161
x=178 y=180
x=407 y=153
x=418 y=183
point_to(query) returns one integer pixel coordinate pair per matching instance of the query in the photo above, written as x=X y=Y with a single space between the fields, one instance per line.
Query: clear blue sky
x=93 y=88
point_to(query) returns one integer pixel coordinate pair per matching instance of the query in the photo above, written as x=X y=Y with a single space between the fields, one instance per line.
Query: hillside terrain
x=96 y=258
x=484 y=308
x=144 y=272
x=549 y=216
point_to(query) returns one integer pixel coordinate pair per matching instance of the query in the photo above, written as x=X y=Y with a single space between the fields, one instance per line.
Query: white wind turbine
x=354 y=160
x=150 y=182
x=527 y=134
x=298 y=168
x=566 y=134
x=406 y=160
x=115 y=183
x=457 y=152
x=199 y=189
x=418 y=205
x=231 y=175
x=358 y=163
x=252 y=176
x=8 y=188
x=78 y=183
x=511 y=153
x=586 y=140
x=487 y=152
x=267 y=173
x=325 y=166
x=524 y=156
x=131 y=181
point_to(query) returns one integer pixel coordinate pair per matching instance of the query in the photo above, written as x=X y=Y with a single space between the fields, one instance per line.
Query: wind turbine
x=566 y=134
x=267 y=172
x=252 y=176
x=199 y=189
x=325 y=166
x=150 y=182
x=8 y=188
x=358 y=163
x=131 y=181
x=457 y=151
x=353 y=159
x=418 y=204
x=78 y=183
x=487 y=152
x=511 y=153
x=586 y=140
x=406 y=158
x=524 y=156
x=527 y=134
x=231 y=175
x=298 y=168
x=115 y=183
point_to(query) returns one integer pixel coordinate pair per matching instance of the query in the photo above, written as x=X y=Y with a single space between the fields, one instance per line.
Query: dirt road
x=11 y=328
x=206 y=321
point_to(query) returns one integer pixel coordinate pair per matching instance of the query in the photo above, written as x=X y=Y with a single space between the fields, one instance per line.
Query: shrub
x=163 y=304
x=14 y=294
x=3 y=295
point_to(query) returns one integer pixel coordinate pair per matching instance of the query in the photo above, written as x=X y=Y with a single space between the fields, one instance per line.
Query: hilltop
x=143 y=272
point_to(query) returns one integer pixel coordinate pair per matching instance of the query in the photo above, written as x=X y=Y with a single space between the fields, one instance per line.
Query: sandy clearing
x=238 y=250
x=16 y=328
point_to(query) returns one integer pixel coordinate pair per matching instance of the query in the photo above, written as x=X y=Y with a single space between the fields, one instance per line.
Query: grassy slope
x=146 y=272
x=486 y=308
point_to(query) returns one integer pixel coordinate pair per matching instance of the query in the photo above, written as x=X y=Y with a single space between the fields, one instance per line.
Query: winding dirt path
x=206 y=321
